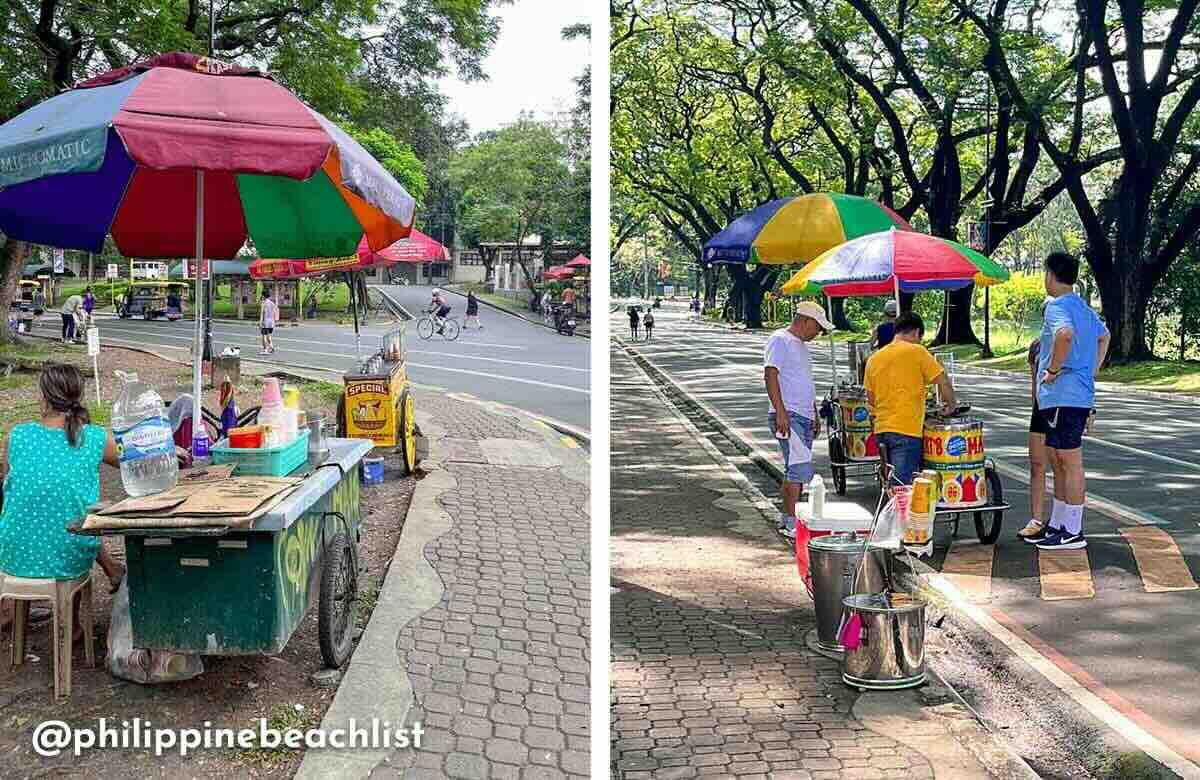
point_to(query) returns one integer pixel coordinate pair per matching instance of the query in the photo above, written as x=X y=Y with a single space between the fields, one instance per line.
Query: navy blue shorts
x=1066 y=425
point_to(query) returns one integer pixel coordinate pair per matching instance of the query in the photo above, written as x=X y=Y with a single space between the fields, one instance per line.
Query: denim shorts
x=904 y=454
x=796 y=448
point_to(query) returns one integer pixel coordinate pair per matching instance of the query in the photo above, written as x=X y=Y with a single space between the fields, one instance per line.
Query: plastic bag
x=138 y=664
x=888 y=528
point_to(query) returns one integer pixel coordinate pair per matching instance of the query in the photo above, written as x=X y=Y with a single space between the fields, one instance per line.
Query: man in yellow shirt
x=896 y=378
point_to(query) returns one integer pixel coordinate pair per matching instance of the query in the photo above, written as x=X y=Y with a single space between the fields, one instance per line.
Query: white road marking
x=505 y=378
x=346 y=357
x=496 y=360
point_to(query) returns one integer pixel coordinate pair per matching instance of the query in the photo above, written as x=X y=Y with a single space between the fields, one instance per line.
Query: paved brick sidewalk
x=710 y=673
x=497 y=658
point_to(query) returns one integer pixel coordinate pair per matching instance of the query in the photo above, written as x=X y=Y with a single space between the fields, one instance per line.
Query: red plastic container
x=247 y=438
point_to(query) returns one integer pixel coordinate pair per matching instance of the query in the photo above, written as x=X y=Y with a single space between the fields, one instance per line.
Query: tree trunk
x=837 y=314
x=1124 y=298
x=710 y=287
x=750 y=288
x=956 y=328
x=12 y=262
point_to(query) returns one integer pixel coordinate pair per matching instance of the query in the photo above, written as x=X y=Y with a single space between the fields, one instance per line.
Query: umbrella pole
x=832 y=352
x=354 y=305
x=198 y=338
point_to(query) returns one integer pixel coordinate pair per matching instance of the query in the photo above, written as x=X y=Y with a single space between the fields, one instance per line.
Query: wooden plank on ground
x=1159 y=560
x=1066 y=574
x=968 y=567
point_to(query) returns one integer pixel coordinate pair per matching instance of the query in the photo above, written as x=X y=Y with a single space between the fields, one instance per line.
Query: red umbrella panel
x=417 y=248
x=580 y=261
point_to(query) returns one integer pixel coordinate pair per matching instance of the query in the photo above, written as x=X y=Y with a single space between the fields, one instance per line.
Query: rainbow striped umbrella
x=797 y=229
x=894 y=261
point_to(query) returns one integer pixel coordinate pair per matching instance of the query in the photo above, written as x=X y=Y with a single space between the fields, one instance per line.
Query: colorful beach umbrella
x=797 y=229
x=185 y=156
x=882 y=263
x=119 y=154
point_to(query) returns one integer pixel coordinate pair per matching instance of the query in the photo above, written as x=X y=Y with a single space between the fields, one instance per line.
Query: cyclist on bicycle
x=439 y=309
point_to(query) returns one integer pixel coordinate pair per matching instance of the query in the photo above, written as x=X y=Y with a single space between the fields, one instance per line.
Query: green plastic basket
x=264 y=461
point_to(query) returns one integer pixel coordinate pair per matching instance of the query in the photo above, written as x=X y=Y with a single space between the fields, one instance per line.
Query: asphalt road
x=1136 y=649
x=509 y=361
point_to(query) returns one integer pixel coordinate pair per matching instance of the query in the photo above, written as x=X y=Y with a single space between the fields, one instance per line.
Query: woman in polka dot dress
x=53 y=477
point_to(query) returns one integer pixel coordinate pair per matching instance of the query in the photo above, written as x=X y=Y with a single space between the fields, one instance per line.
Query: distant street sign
x=112 y=271
x=60 y=264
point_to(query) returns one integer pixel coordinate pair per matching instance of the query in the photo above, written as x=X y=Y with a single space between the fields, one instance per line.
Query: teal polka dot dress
x=49 y=484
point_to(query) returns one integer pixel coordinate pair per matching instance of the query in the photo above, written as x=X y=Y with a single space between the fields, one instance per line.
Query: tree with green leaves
x=515 y=183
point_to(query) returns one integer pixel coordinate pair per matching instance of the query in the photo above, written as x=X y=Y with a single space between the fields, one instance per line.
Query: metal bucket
x=832 y=562
x=891 y=653
x=318 y=449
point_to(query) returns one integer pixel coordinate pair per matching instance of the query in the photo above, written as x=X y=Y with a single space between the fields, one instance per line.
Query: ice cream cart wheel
x=338 y=601
x=406 y=432
x=837 y=454
x=987 y=524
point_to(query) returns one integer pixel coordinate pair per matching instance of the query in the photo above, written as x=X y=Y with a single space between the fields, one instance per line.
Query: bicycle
x=426 y=327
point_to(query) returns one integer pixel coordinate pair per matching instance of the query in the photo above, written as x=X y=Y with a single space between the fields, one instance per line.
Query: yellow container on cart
x=377 y=404
x=954 y=449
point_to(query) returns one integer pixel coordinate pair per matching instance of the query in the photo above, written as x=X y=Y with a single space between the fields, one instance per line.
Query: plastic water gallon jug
x=816 y=497
x=144 y=439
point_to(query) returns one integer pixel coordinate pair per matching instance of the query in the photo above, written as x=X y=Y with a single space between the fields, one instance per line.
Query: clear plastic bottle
x=143 y=434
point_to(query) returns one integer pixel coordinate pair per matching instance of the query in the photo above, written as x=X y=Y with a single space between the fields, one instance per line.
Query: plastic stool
x=61 y=594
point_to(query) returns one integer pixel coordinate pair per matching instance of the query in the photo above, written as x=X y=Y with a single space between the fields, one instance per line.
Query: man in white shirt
x=792 y=415
x=268 y=315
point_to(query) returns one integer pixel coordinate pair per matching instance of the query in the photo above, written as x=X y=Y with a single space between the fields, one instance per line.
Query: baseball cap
x=891 y=308
x=814 y=311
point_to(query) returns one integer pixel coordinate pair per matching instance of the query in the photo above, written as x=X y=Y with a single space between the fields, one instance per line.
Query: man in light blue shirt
x=1073 y=345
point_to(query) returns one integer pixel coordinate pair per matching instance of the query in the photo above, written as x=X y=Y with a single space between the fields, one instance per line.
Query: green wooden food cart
x=243 y=591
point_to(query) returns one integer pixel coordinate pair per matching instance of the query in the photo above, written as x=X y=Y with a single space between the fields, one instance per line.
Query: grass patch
x=281 y=718
x=329 y=392
x=1132 y=766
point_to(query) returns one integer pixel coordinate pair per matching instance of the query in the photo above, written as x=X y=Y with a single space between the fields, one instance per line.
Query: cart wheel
x=341 y=418
x=837 y=454
x=987 y=524
x=338 y=604
x=406 y=433
x=425 y=327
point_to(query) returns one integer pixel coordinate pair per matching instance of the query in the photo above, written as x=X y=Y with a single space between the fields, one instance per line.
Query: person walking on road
x=648 y=324
x=472 y=310
x=268 y=315
x=792 y=413
x=70 y=310
x=885 y=331
x=896 y=378
x=1073 y=345
x=635 y=322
